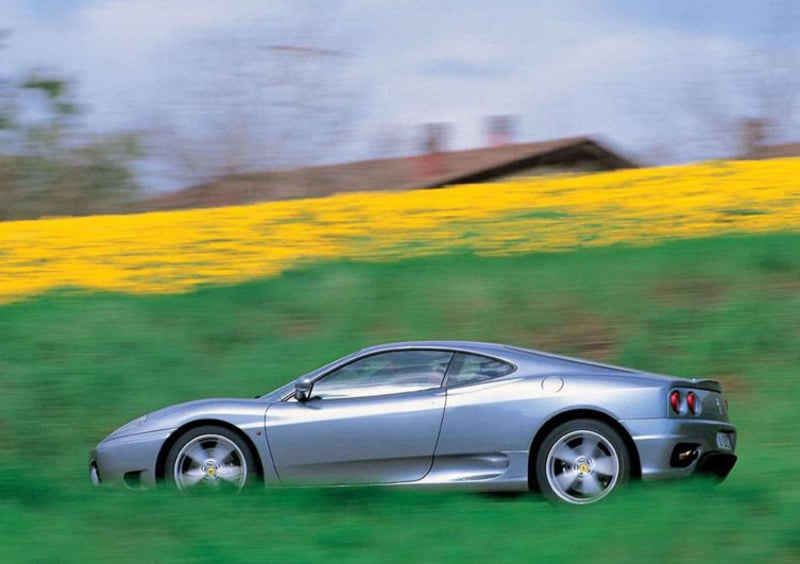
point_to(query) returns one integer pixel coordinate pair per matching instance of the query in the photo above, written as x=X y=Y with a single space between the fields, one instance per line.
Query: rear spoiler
x=699 y=384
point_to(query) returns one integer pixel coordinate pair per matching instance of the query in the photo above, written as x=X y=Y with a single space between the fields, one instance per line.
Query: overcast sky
x=621 y=68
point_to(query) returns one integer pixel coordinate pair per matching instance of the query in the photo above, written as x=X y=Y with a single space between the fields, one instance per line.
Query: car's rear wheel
x=210 y=458
x=581 y=461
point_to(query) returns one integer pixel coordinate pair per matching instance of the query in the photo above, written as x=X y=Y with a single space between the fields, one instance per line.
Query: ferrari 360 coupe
x=446 y=414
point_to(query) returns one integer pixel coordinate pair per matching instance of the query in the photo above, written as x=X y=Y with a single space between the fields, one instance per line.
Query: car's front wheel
x=581 y=461
x=210 y=458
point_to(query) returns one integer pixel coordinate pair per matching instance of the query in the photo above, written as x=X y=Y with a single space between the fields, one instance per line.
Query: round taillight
x=675 y=401
x=691 y=402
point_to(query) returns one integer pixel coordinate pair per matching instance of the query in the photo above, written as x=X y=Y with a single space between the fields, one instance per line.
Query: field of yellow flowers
x=176 y=251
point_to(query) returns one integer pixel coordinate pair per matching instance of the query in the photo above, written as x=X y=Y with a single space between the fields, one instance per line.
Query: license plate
x=724 y=441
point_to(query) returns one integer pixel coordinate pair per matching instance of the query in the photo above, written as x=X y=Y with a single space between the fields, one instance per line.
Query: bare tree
x=261 y=102
x=725 y=101
x=751 y=98
x=6 y=102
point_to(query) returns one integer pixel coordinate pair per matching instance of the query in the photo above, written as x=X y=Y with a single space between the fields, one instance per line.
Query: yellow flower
x=176 y=251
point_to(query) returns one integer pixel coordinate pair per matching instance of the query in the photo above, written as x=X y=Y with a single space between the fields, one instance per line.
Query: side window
x=470 y=368
x=387 y=373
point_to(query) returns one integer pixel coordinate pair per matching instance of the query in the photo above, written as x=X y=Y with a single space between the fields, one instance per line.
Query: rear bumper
x=716 y=464
x=658 y=442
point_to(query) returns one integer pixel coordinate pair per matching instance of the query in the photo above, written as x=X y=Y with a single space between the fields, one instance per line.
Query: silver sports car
x=486 y=416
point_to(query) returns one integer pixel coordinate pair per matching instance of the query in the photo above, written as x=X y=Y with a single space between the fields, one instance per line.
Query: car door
x=374 y=420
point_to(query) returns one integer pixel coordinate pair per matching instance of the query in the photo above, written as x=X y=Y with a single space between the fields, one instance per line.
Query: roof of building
x=783 y=150
x=403 y=173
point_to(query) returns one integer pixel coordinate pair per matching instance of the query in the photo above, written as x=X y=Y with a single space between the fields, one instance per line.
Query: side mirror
x=302 y=389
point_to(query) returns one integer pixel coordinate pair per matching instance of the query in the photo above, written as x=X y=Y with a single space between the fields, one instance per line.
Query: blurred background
x=120 y=106
x=127 y=106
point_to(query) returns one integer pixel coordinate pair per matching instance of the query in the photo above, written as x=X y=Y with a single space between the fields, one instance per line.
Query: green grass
x=75 y=366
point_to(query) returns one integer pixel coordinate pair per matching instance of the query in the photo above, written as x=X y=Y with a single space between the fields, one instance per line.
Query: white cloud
x=562 y=79
x=566 y=67
x=140 y=25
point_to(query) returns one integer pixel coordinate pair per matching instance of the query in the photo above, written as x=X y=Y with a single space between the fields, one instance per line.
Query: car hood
x=173 y=416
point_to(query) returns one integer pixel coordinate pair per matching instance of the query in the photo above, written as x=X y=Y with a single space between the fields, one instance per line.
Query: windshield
x=289 y=387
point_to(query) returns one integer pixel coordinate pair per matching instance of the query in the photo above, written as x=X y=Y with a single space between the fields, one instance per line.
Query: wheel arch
x=563 y=417
x=161 y=460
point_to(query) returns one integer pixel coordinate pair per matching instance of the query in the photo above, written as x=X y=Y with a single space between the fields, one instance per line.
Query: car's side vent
x=133 y=479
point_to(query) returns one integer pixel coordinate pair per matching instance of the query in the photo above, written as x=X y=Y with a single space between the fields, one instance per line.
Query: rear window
x=472 y=368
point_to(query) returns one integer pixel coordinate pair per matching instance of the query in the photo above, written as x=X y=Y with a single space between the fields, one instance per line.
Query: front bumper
x=127 y=461
x=658 y=440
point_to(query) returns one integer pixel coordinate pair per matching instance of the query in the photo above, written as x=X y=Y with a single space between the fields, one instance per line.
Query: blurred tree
x=275 y=97
x=5 y=102
x=722 y=98
x=750 y=99
x=6 y=125
x=50 y=166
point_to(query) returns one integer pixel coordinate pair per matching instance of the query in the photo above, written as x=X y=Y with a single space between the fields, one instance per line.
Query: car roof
x=470 y=346
x=506 y=352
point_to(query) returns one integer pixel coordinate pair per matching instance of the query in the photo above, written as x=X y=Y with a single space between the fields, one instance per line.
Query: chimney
x=433 y=142
x=500 y=130
x=753 y=133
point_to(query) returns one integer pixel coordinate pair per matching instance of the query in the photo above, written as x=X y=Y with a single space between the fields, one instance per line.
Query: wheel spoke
x=591 y=485
x=587 y=446
x=191 y=477
x=221 y=451
x=604 y=465
x=565 y=453
x=232 y=474
x=566 y=479
x=198 y=454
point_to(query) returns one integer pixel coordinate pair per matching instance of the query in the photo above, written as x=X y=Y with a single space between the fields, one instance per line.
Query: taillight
x=691 y=402
x=675 y=401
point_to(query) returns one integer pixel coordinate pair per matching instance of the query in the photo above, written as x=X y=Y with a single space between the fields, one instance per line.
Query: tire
x=210 y=458
x=581 y=461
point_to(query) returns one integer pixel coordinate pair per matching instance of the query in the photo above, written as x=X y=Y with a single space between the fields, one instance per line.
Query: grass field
x=74 y=366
